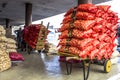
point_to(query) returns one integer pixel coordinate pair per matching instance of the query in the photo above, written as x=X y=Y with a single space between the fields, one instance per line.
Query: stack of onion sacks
x=88 y=31
x=34 y=34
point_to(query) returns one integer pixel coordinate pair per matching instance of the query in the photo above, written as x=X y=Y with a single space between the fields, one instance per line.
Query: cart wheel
x=107 y=66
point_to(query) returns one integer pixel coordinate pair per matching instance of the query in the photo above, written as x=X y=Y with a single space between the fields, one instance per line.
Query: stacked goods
x=52 y=48
x=12 y=50
x=2 y=31
x=88 y=31
x=35 y=35
x=7 y=44
x=11 y=45
x=3 y=38
x=3 y=42
x=5 y=62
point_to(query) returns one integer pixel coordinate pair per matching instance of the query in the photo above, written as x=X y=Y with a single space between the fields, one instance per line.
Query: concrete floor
x=41 y=67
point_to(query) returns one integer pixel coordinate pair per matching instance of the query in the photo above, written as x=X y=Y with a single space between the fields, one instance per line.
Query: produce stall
x=88 y=32
x=35 y=36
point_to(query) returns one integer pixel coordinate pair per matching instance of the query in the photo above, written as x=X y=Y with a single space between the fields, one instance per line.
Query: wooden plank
x=67 y=54
x=40 y=42
x=71 y=56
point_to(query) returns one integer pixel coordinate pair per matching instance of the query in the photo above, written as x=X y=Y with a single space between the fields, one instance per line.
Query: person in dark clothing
x=23 y=43
x=20 y=40
x=19 y=37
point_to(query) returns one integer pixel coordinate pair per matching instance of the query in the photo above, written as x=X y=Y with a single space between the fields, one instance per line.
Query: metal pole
x=28 y=14
x=28 y=19
x=7 y=22
x=84 y=1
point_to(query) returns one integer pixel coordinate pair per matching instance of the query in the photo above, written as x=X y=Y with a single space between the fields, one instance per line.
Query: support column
x=7 y=23
x=28 y=14
x=84 y=1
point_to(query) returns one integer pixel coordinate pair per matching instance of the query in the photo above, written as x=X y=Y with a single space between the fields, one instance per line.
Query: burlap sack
x=3 y=46
x=11 y=50
x=3 y=39
x=2 y=31
x=11 y=41
x=11 y=46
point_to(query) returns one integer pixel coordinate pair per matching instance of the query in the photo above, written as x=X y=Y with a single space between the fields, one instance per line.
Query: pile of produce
x=52 y=48
x=11 y=45
x=5 y=62
x=35 y=35
x=88 y=31
x=3 y=39
x=3 y=42
x=2 y=30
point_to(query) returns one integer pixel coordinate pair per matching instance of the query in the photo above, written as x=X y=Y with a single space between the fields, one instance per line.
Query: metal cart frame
x=86 y=63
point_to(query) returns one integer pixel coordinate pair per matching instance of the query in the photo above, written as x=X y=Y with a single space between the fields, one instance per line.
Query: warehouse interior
x=40 y=65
